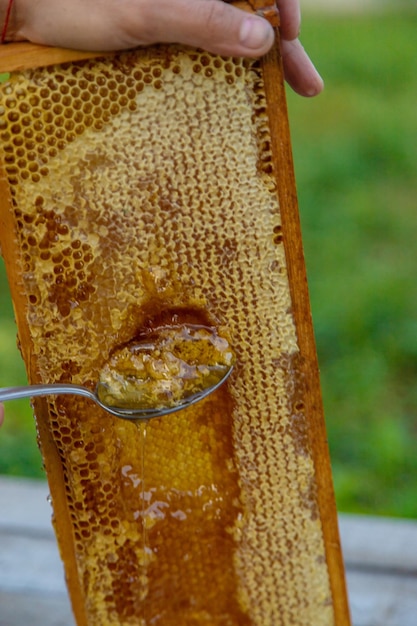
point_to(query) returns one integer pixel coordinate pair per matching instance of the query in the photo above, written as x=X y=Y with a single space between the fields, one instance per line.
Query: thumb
x=212 y=25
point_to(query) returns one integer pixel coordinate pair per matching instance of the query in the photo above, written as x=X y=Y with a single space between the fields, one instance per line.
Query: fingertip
x=256 y=35
x=309 y=88
x=317 y=87
x=314 y=86
x=300 y=72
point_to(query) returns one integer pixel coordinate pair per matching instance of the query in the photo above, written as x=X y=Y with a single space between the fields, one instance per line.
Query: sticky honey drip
x=143 y=184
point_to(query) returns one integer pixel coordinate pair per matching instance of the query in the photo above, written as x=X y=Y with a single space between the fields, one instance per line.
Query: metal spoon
x=13 y=393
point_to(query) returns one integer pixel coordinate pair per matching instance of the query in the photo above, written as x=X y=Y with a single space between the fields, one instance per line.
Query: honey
x=136 y=187
x=165 y=368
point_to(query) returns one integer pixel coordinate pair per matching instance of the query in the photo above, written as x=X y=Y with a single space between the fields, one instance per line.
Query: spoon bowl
x=135 y=414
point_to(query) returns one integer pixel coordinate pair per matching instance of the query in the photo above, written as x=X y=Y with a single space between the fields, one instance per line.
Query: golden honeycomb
x=141 y=187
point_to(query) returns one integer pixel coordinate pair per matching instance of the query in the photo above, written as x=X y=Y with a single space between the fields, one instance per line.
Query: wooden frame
x=17 y=57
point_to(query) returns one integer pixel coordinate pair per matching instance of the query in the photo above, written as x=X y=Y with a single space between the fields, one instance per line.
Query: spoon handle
x=29 y=391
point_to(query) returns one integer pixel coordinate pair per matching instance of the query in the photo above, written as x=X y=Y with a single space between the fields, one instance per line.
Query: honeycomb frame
x=238 y=524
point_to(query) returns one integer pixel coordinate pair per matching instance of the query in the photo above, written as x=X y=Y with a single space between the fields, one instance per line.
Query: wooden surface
x=379 y=555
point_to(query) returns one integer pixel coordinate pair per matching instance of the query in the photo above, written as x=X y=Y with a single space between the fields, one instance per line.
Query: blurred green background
x=355 y=159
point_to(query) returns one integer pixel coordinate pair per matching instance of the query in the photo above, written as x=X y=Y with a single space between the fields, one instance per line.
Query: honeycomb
x=140 y=188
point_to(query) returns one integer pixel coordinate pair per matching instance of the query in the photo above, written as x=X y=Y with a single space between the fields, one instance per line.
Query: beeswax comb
x=156 y=187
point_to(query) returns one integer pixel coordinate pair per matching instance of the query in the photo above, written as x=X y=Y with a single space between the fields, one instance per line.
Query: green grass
x=354 y=151
x=19 y=454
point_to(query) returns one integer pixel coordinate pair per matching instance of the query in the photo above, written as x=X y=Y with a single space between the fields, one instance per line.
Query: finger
x=210 y=24
x=1 y=414
x=300 y=72
x=290 y=18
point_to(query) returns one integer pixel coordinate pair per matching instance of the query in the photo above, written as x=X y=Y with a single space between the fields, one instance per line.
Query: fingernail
x=255 y=33
x=316 y=88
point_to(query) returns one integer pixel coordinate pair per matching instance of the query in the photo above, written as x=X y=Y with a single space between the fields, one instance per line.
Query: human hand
x=210 y=24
